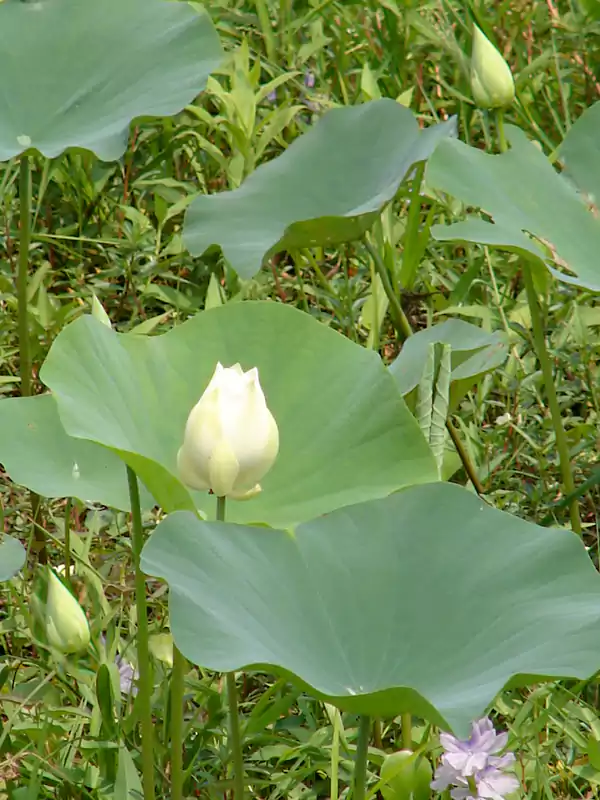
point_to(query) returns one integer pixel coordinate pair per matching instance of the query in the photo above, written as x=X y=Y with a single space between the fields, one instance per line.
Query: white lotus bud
x=492 y=82
x=67 y=628
x=231 y=438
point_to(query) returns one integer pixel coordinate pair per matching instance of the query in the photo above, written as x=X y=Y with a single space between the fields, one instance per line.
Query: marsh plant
x=262 y=551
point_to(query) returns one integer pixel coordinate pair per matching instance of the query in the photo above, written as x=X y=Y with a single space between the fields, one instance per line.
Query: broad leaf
x=346 y=434
x=473 y=353
x=524 y=194
x=328 y=186
x=37 y=453
x=75 y=74
x=427 y=601
x=12 y=556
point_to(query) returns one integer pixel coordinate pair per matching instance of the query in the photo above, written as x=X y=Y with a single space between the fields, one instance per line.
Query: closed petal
x=191 y=472
x=223 y=469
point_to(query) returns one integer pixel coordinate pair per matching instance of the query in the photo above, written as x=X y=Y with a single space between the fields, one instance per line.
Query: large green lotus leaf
x=75 y=74
x=427 y=601
x=473 y=352
x=346 y=434
x=37 y=453
x=12 y=556
x=523 y=193
x=327 y=187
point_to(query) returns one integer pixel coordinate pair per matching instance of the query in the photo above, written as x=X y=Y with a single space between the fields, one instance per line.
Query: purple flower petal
x=495 y=785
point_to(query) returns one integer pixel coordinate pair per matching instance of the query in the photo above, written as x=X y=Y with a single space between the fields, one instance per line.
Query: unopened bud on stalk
x=67 y=628
x=231 y=438
x=492 y=82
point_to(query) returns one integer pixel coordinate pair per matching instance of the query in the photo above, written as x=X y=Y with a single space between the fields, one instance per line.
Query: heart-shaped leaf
x=427 y=601
x=524 y=194
x=37 y=453
x=328 y=187
x=345 y=432
x=12 y=556
x=75 y=74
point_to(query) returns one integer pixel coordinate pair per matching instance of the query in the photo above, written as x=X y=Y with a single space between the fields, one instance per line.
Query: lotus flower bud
x=67 y=628
x=406 y=776
x=492 y=82
x=231 y=438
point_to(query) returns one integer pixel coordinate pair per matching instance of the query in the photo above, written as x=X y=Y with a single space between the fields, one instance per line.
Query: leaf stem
x=144 y=698
x=562 y=444
x=39 y=535
x=23 y=274
x=235 y=736
x=360 y=762
x=399 y=318
x=502 y=143
x=404 y=330
x=177 y=719
x=67 y=541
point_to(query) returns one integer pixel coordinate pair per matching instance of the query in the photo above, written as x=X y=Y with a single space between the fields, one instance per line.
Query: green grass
x=114 y=230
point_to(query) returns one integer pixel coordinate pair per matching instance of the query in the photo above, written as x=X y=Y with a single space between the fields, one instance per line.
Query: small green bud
x=406 y=776
x=67 y=628
x=492 y=82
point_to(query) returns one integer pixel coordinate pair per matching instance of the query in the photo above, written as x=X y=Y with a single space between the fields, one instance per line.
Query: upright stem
x=177 y=711
x=23 y=329
x=236 y=738
x=235 y=735
x=23 y=274
x=539 y=340
x=404 y=330
x=561 y=438
x=360 y=761
x=502 y=143
x=144 y=698
x=67 y=542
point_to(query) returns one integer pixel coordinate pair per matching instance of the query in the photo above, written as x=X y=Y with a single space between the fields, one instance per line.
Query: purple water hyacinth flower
x=489 y=784
x=473 y=768
x=272 y=96
x=127 y=676
x=309 y=80
x=469 y=755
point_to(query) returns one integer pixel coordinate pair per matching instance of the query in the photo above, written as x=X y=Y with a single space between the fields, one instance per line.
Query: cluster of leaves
x=116 y=229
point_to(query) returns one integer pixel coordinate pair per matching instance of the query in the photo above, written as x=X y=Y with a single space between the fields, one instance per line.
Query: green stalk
x=539 y=340
x=236 y=738
x=360 y=761
x=23 y=274
x=502 y=143
x=39 y=535
x=144 y=698
x=235 y=735
x=67 y=545
x=546 y=366
x=404 y=330
x=177 y=711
